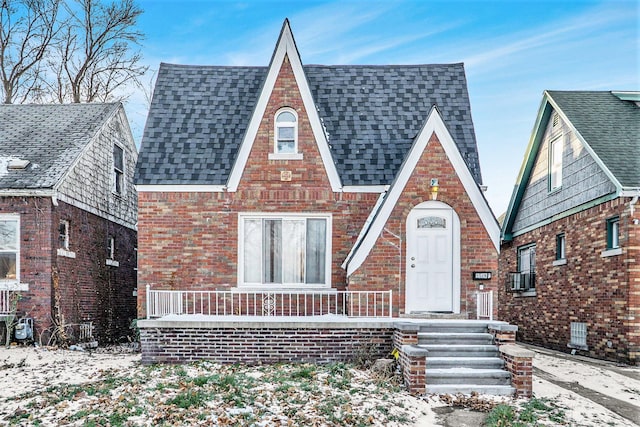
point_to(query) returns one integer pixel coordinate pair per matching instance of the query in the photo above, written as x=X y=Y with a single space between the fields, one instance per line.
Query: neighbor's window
x=561 y=247
x=111 y=247
x=285 y=250
x=286 y=132
x=555 y=164
x=613 y=233
x=525 y=278
x=63 y=235
x=9 y=249
x=118 y=169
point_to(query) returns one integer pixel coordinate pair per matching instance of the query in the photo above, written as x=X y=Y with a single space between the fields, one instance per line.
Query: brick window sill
x=611 y=252
x=65 y=253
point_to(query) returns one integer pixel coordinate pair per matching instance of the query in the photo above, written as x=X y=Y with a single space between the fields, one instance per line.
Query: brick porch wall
x=260 y=342
x=603 y=292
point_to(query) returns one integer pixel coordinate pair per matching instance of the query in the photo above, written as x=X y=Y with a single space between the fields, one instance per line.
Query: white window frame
x=284 y=286
x=64 y=249
x=111 y=252
x=117 y=172
x=276 y=154
x=65 y=243
x=12 y=283
x=555 y=163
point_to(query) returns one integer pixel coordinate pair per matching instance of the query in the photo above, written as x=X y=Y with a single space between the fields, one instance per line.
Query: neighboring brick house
x=315 y=178
x=68 y=215
x=571 y=239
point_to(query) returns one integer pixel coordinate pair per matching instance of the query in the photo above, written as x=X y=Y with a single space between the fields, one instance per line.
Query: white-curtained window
x=285 y=250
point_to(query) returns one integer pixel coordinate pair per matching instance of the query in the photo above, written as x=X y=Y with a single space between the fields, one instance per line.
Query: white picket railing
x=269 y=303
x=5 y=301
x=485 y=305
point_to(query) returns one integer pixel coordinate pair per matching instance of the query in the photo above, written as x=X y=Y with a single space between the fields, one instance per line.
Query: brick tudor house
x=299 y=178
x=571 y=235
x=68 y=216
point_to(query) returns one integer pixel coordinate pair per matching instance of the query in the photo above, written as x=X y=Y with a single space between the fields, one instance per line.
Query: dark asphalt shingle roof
x=51 y=137
x=371 y=114
x=610 y=126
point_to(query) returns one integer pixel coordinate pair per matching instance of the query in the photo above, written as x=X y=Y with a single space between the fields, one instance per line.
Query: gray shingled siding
x=199 y=115
x=89 y=184
x=582 y=180
x=610 y=126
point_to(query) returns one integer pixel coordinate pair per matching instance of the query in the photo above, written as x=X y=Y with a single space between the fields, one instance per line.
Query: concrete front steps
x=462 y=358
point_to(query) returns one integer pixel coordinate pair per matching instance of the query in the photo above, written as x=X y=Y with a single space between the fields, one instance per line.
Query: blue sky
x=512 y=50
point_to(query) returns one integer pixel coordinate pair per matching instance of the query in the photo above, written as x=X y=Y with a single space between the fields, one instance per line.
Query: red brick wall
x=477 y=252
x=602 y=292
x=89 y=291
x=35 y=255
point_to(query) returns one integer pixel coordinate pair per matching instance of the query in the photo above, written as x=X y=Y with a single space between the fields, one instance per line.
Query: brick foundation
x=258 y=342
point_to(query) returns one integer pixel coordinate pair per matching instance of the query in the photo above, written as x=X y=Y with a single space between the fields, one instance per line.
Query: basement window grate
x=578 y=335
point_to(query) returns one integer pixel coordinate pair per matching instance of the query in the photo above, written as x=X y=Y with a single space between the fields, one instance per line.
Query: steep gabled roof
x=50 y=137
x=368 y=116
x=374 y=225
x=608 y=125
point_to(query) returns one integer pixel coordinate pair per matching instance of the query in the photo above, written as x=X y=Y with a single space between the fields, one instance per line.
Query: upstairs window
x=286 y=132
x=111 y=248
x=561 y=247
x=613 y=233
x=555 y=164
x=118 y=169
x=9 y=249
x=63 y=235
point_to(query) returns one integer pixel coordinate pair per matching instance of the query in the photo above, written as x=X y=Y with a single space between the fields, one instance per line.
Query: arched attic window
x=285 y=144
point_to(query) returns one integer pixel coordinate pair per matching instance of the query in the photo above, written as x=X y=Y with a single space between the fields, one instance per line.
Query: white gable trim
x=286 y=47
x=434 y=124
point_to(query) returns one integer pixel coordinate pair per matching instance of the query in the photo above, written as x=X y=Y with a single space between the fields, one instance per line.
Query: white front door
x=430 y=261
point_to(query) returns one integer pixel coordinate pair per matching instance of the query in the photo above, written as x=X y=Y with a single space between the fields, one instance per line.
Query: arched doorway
x=433 y=259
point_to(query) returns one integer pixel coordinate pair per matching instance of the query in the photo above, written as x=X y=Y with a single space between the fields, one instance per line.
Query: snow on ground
x=39 y=376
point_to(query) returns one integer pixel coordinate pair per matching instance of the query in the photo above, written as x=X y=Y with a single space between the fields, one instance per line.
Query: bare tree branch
x=27 y=28
x=97 y=59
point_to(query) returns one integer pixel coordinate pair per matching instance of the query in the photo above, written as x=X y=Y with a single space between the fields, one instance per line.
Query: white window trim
x=113 y=171
x=13 y=284
x=611 y=252
x=558 y=184
x=276 y=153
x=284 y=286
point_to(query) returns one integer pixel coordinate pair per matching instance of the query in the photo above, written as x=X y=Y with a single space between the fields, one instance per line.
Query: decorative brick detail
x=519 y=362
x=603 y=292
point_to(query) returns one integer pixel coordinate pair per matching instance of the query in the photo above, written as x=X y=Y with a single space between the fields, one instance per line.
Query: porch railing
x=5 y=301
x=485 y=305
x=269 y=303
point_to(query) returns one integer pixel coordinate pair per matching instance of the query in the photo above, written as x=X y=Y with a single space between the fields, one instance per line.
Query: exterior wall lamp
x=434 y=188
